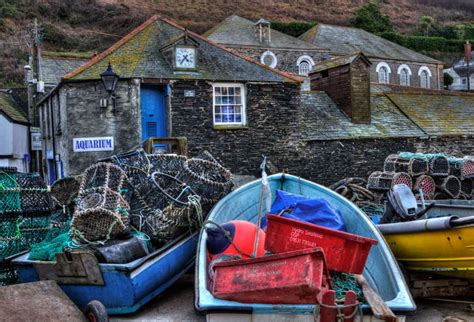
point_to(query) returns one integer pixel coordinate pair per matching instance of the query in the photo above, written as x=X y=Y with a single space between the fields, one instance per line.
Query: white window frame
x=304 y=73
x=401 y=68
x=384 y=75
x=274 y=58
x=243 y=94
x=425 y=69
x=306 y=59
x=389 y=71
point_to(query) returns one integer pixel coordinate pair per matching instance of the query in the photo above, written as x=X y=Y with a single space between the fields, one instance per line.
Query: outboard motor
x=402 y=205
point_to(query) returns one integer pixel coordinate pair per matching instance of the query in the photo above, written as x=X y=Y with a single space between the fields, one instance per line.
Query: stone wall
x=394 y=78
x=286 y=58
x=273 y=118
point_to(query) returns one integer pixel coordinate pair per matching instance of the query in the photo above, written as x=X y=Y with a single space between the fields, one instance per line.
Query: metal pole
x=468 y=77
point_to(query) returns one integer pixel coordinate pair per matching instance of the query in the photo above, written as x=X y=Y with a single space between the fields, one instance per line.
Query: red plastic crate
x=288 y=278
x=344 y=252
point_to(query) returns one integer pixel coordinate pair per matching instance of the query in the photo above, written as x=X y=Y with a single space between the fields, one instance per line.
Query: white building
x=459 y=82
x=14 y=146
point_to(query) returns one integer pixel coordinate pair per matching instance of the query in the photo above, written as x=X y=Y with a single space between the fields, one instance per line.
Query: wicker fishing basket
x=384 y=181
x=439 y=165
x=414 y=166
x=65 y=190
x=102 y=204
x=449 y=185
x=466 y=189
x=208 y=179
x=426 y=184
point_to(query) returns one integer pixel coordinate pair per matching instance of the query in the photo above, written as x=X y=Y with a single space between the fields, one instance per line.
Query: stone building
x=171 y=83
x=391 y=63
x=271 y=47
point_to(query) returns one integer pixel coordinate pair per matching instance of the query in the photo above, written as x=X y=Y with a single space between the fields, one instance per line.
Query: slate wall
x=286 y=59
x=273 y=118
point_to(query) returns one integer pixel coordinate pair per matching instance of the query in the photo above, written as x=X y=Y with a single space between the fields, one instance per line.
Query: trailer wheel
x=96 y=312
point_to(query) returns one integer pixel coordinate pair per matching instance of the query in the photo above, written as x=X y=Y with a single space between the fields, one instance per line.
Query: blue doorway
x=154 y=115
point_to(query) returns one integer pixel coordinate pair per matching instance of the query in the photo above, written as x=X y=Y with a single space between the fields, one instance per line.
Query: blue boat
x=381 y=269
x=126 y=287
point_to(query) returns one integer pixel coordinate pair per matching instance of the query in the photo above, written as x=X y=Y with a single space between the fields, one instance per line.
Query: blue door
x=154 y=116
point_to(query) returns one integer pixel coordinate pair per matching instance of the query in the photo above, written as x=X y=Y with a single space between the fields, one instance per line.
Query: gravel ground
x=176 y=305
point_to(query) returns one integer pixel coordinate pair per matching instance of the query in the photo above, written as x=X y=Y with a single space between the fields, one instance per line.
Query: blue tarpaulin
x=313 y=210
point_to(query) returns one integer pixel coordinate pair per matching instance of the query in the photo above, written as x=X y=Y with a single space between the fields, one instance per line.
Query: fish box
x=344 y=252
x=288 y=278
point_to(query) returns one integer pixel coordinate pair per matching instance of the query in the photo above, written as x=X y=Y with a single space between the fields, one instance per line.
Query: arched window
x=404 y=77
x=304 y=68
x=383 y=75
x=305 y=64
x=404 y=72
x=425 y=77
x=383 y=70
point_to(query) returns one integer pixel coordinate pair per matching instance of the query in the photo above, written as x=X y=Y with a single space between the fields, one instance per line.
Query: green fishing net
x=342 y=282
x=53 y=243
x=9 y=193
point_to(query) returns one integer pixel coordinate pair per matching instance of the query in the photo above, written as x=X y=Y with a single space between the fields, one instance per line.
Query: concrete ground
x=177 y=305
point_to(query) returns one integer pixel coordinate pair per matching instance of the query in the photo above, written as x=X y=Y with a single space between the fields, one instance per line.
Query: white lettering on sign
x=93 y=144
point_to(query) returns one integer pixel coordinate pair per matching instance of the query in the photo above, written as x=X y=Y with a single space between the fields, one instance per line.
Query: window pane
x=217 y=90
x=228 y=105
x=224 y=90
x=237 y=91
x=231 y=91
x=218 y=100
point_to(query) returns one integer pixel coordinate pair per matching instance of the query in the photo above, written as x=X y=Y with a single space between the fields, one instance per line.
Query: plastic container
x=344 y=252
x=273 y=279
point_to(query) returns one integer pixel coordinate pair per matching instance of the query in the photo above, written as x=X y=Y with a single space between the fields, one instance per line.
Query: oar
x=378 y=306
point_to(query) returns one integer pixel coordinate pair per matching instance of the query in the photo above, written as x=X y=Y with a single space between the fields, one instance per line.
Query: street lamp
x=110 y=79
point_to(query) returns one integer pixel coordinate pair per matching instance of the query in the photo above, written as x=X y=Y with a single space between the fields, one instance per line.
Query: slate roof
x=139 y=55
x=345 y=40
x=339 y=61
x=438 y=113
x=53 y=68
x=324 y=120
x=238 y=31
x=10 y=109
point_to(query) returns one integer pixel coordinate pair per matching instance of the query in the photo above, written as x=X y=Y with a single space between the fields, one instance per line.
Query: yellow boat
x=443 y=246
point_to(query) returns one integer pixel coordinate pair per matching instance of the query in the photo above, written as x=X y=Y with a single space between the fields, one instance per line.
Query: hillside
x=93 y=25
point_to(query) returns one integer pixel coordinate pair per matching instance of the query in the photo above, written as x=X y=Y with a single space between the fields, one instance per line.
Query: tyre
x=96 y=312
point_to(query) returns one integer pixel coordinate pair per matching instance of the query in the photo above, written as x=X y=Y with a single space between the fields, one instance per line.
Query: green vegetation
x=294 y=28
x=369 y=18
x=448 y=80
x=422 y=43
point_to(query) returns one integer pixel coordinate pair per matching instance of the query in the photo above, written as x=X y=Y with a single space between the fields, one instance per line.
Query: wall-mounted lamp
x=110 y=80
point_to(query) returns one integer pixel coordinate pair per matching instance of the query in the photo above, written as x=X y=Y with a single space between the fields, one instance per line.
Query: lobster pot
x=466 y=188
x=384 y=181
x=414 y=166
x=426 y=184
x=468 y=168
x=102 y=209
x=176 y=209
x=455 y=167
x=208 y=179
x=439 y=166
x=136 y=165
x=171 y=164
x=449 y=185
x=23 y=193
x=206 y=155
x=63 y=191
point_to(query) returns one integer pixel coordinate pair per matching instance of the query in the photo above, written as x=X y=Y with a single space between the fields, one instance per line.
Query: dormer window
x=305 y=64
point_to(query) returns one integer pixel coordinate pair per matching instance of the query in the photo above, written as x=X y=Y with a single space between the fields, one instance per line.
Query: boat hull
x=447 y=252
x=127 y=287
x=381 y=269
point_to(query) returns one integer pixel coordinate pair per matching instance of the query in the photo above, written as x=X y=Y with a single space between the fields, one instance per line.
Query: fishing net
x=54 y=242
x=342 y=282
x=208 y=179
x=9 y=194
x=384 y=181
x=414 y=166
x=171 y=164
x=65 y=190
x=449 y=185
x=426 y=184
x=466 y=189
x=176 y=207
x=102 y=205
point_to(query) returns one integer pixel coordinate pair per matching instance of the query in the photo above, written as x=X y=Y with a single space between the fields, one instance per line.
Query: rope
x=228 y=237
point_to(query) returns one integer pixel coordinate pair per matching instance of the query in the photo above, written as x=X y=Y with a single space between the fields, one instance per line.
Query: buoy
x=242 y=234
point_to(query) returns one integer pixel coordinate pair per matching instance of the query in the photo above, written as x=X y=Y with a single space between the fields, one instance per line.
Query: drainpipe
x=53 y=134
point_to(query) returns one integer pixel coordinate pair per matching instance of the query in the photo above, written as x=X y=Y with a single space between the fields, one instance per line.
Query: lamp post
x=110 y=79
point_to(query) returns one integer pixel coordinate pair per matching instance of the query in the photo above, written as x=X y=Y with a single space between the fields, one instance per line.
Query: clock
x=185 y=57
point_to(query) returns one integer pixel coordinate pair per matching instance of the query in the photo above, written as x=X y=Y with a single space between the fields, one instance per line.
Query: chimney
x=347 y=81
x=262 y=29
x=467 y=51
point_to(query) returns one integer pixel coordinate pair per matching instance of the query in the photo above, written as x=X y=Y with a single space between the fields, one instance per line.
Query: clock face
x=185 y=57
